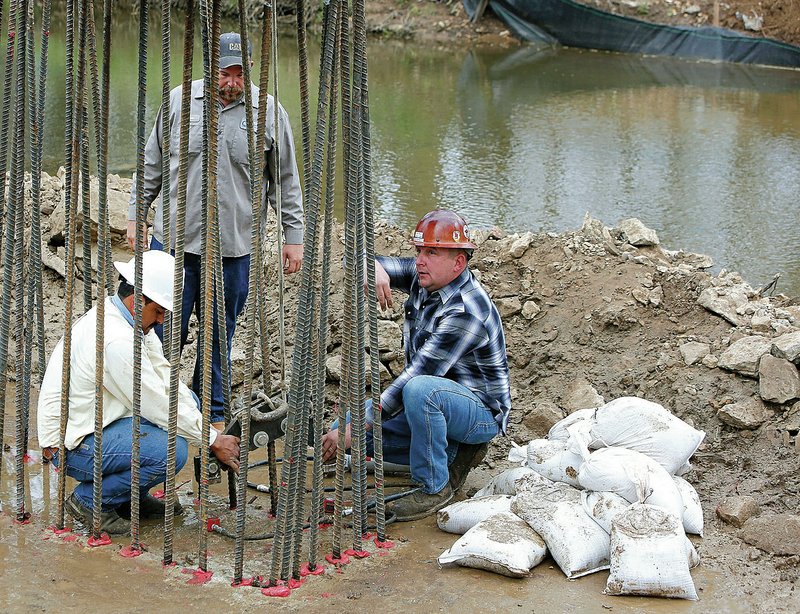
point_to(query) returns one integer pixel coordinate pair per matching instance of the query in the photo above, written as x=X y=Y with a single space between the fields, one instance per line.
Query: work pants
x=116 y=462
x=437 y=415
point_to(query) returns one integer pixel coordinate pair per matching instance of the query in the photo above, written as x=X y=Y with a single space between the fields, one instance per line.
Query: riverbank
x=428 y=20
x=590 y=315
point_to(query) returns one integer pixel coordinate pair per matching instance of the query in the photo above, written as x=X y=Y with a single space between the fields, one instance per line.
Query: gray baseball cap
x=230 y=50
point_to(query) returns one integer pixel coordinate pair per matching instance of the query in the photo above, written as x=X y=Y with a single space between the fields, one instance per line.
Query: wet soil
x=40 y=568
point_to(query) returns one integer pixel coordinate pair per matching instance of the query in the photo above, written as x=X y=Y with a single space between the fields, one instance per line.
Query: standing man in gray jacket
x=233 y=193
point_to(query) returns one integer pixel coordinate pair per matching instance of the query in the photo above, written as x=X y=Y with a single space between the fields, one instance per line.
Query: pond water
x=530 y=139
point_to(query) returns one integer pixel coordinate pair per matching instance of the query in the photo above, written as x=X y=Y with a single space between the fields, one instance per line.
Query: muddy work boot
x=110 y=522
x=150 y=507
x=469 y=455
x=420 y=504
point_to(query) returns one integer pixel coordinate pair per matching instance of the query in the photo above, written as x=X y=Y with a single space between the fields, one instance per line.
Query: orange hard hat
x=442 y=228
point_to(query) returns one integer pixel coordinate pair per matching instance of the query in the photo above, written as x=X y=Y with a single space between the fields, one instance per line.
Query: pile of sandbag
x=603 y=491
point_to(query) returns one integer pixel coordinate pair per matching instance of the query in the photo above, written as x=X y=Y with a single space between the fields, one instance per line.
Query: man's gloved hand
x=226 y=449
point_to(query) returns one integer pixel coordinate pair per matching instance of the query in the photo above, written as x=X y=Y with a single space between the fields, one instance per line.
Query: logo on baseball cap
x=230 y=50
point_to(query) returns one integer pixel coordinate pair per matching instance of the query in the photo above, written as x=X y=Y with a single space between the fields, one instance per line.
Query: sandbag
x=503 y=544
x=603 y=507
x=553 y=509
x=648 y=554
x=462 y=516
x=558 y=432
x=628 y=473
x=692 y=510
x=504 y=483
x=555 y=460
x=647 y=427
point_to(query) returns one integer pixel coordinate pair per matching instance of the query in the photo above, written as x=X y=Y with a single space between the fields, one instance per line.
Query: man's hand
x=292 y=258
x=330 y=441
x=132 y=235
x=382 y=287
x=226 y=449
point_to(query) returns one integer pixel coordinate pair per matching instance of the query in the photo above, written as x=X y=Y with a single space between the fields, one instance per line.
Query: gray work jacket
x=233 y=174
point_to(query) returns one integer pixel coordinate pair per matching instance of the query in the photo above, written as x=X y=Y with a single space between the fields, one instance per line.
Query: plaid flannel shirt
x=456 y=333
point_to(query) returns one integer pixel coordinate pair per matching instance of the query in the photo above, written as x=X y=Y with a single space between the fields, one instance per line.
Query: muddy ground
x=589 y=317
x=444 y=22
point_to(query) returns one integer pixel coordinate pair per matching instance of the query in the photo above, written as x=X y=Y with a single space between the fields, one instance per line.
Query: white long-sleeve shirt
x=117 y=383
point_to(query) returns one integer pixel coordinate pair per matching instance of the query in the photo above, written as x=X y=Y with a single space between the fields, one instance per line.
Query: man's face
x=437 y=267
x=231 y=84
x=152 y=314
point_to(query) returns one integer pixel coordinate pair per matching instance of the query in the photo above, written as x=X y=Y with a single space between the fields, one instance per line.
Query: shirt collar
x=446 y=292
x=254 y=93
x=122 y=309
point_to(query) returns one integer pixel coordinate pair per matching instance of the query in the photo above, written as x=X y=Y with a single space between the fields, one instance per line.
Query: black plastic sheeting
x=577 y=25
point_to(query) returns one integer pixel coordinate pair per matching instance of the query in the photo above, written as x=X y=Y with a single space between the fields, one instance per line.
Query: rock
x=744 y=355
x=778 y=379
x=761 y=323
x=580 y=394
x=117 y=196
x=693 y=261
x=793 y=312
x=737 y=510
x=530 y=310
x=723 y=302
x=748 y=414
x=787 y=346
x=637 y=233
x=793 y=419
x=541 y=417
x=390 y=335
x=752 y=22
x=333 y=369
x=521 y=245
x=710 y=361
x=641 y=295
x=692 y=9
x=508 y=306
x=778 y=534
x=656 y=296
x=693 y=351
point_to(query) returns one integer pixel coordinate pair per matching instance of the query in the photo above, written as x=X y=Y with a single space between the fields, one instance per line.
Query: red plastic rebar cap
x=200 y=577
x=343 y=560
x=305 y=570
x=276 y=591
x=103 y=540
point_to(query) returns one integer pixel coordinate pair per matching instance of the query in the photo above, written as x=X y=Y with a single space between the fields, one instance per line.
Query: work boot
x=150 y=507
x=110 y=522
x=469 y=455
x=420 y=504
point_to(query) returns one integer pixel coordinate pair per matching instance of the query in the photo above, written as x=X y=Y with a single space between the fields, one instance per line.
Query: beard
x=230 y=93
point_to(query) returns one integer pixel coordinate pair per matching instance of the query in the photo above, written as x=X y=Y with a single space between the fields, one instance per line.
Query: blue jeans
x=116 y=465
x=437 y=415
x=236 y=278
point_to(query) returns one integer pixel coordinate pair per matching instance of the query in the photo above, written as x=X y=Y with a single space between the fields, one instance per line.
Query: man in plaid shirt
x=453 y=395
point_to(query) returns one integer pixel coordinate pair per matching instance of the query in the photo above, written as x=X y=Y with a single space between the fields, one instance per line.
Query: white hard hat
x=157 y=275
